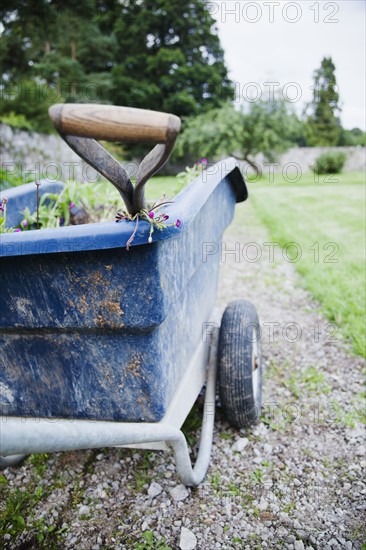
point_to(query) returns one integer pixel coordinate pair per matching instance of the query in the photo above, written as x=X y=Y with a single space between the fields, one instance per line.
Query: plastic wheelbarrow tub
x=103 y=346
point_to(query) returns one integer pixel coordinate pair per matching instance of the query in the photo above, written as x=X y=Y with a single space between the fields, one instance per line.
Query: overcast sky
x=284 y=42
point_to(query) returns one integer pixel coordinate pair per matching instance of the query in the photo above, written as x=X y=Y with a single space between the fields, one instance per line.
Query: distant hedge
x=329 y=163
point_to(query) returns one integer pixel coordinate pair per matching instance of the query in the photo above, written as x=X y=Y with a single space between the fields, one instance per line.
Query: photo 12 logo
x=36 y=93
x=50 y=171
x=229 y=11
x=270 y=91
x=274 y=331
x=253 y=252
x=291 y=172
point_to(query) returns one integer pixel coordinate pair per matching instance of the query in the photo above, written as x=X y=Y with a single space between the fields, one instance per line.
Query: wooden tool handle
x=113 y=123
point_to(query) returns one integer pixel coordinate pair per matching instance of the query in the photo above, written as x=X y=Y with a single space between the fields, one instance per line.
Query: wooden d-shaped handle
x=112 y=123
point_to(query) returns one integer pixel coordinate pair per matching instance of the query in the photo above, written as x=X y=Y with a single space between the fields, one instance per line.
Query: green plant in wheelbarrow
x=3 y=228
x=69 y=207
x=190 y=173
x=74 y=205
x=122 y=342
x=156 y=219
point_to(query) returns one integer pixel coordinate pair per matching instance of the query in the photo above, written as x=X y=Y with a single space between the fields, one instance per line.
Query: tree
x=51 y=52
x=157 y=54
x=351 y=138
x=268 y=127
x=323 y=125
x=170 y=57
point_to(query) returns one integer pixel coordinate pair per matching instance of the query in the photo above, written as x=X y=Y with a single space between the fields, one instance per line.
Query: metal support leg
x=193 y=476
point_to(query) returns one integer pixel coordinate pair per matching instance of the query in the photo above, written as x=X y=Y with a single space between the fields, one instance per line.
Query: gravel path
x=295 y=481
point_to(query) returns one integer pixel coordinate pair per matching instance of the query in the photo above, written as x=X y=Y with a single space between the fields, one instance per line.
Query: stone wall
x=48 y=156
x=45 y=156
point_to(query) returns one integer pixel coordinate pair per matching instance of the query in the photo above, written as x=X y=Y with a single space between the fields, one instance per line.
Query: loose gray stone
x=188 y=540
x=285 y=518
x=154 y=490
x=217 y=530
x=179 y=493
x=84 y=510
x=263 y=504
x=240 y=444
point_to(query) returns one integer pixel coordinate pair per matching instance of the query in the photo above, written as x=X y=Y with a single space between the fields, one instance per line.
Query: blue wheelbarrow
x=103 y=346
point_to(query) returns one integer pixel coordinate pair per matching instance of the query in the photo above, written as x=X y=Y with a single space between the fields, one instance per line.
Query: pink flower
x=178 y=223
x=24 y=223
x=151 y=214
x=204 y=161
x=17 y=230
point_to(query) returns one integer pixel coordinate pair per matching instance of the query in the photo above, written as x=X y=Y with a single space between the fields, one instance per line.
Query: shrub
x=329 y=163
x=16 y=121
x=26 y=106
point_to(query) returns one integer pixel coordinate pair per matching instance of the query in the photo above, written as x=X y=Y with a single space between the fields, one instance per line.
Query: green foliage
x=190 y=174
x=211 y=134
x=39 y=462
x=352 y=138
x=157 y=54
x=12 y=179
x=3 y=206
x=2 y=221
x=29 y=101
x=172 y=59
x=268 y=127
x=192 y=423
x=323 y=126
x=17 y=513
x=258 y=475
x=149 y=543
x=330 y=163
x=100 y=202
x=17 y=505
x=16 y=121
x=142 y=470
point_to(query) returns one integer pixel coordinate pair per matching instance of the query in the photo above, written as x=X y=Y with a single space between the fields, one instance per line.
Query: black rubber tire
x=13 y=460
x=239 y=355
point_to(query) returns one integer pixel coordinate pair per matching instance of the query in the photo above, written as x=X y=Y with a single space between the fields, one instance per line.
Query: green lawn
x=330 y=213
x=156 y=187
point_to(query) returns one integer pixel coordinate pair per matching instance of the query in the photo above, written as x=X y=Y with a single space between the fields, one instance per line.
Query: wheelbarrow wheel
x=240 y=364
x=12 y=460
